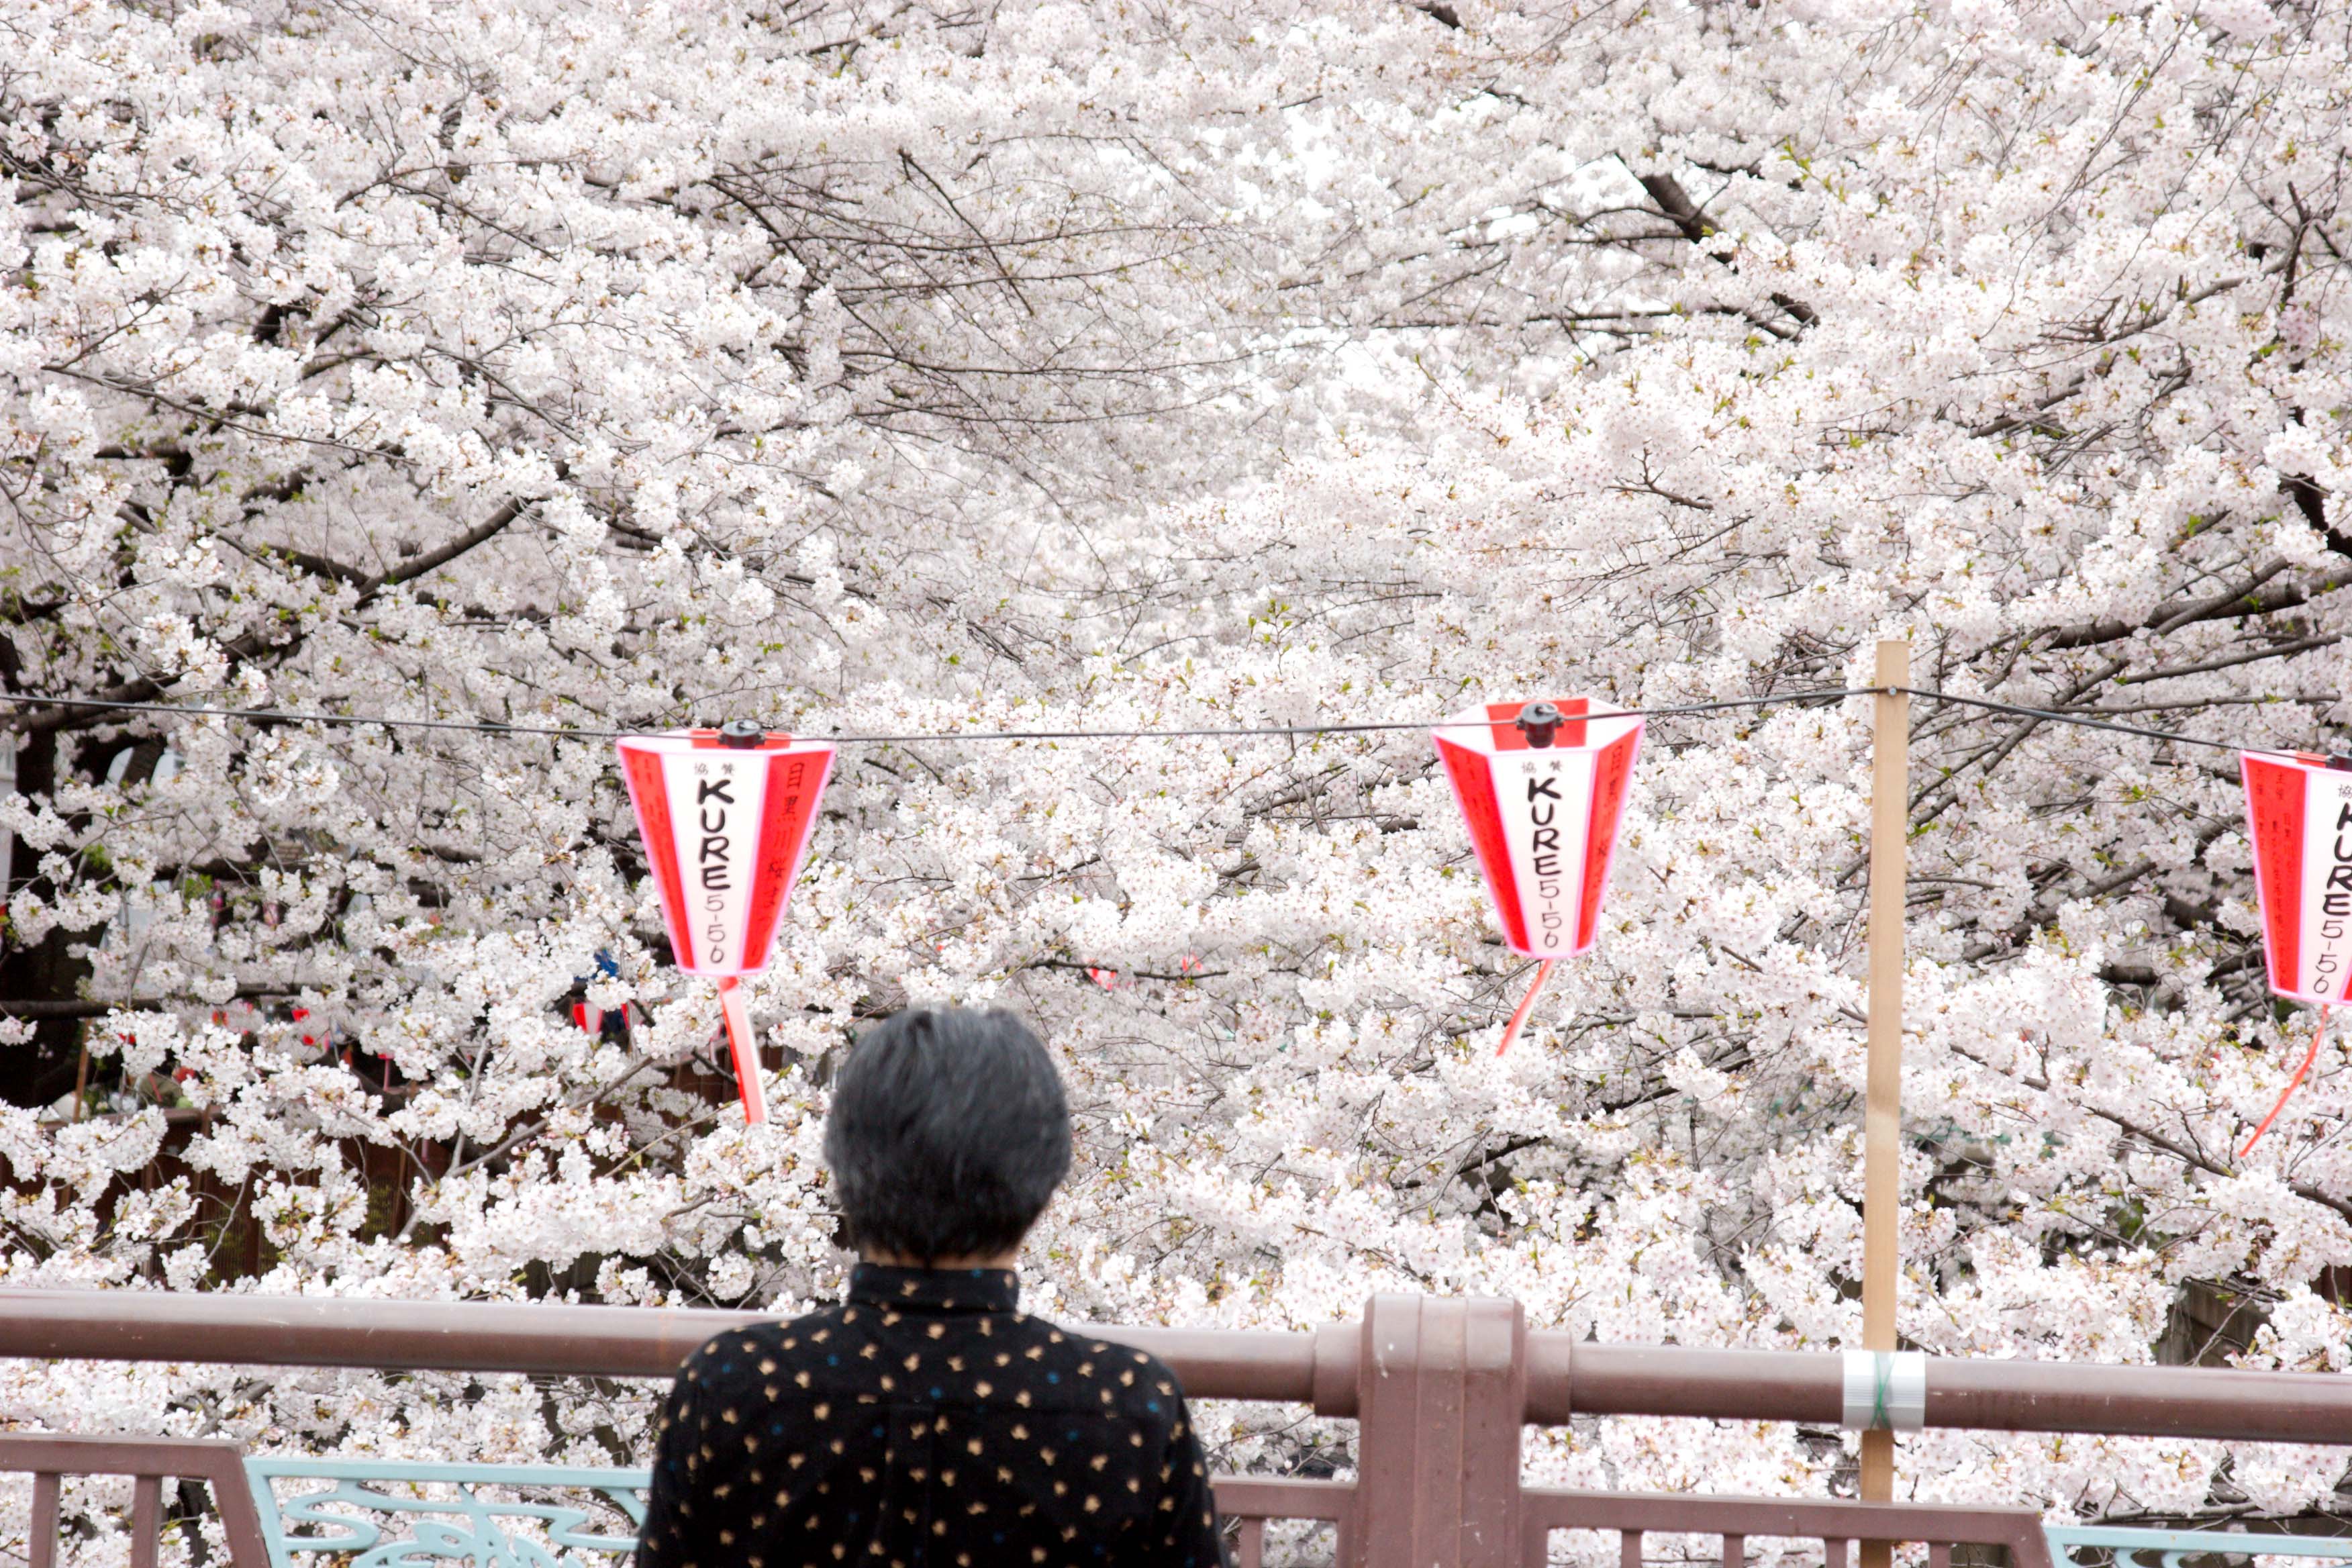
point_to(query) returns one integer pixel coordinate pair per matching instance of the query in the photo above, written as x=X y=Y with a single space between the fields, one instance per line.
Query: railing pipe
x=1674 y=1380
x=303 y=1330
x=550 y=1338
x=1319 y=1369
x=2225 y=1404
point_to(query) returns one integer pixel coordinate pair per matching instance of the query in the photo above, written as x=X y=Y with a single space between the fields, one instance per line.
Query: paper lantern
x=2299 y=814
x=1541 y=787
x=726 y=816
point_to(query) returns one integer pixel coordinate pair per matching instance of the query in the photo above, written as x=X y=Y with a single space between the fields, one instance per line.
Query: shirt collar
x=935 y=1289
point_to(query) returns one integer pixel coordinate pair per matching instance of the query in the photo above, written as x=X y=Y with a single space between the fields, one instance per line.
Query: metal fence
x=1441 y=1390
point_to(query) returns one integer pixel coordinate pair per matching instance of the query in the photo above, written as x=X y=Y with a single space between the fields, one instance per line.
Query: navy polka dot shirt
x=926 y=1422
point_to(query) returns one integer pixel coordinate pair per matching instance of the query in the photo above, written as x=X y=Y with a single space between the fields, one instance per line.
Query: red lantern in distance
x=1541 y=787
x=726 y=816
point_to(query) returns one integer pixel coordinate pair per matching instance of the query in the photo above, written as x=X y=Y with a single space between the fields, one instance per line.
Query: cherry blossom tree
x=1039 y=369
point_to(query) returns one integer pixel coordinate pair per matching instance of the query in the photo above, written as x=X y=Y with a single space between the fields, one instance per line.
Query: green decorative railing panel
x=396 y=1514
x=2174 y=1548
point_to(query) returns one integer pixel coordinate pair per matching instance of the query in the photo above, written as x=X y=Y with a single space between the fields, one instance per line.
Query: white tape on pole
x=1886 y=1390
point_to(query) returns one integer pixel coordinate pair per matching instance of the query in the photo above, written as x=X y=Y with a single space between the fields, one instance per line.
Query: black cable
x=479 y=726
x=484 y=727
x=2081 y=720
x=1329 y=729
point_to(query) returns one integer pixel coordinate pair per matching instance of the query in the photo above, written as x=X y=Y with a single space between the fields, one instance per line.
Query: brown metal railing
x=150 y=1462
x=1834 y=1524
x=1318 y=1369
x=1441 y=1390
x=1251 y=1504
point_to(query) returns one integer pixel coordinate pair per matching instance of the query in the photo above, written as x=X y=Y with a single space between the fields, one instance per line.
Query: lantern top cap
x=1557 y=724
x=749 y=737
x=1539 y=721
x=2327 y=760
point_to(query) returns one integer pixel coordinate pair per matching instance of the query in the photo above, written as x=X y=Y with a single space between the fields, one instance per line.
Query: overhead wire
x=2076 y=717
x=493 y=727
x=2079 y=720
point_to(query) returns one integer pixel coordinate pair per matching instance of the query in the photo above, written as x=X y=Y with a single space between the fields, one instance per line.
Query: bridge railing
x=1441 y=1390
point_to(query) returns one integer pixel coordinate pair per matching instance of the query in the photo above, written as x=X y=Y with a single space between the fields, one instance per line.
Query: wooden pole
x=1890 y=829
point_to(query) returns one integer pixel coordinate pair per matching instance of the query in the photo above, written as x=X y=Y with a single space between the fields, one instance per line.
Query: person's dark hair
x=949 y=1132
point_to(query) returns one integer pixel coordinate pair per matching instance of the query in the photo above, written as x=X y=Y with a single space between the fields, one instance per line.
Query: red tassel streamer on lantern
x=2294 y=1083
x=745 y=1047
x=1526 y=1006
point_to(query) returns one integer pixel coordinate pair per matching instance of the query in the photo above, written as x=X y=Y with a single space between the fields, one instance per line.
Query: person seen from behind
x=927 y=1421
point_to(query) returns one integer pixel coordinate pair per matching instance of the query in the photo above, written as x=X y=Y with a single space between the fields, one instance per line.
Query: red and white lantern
x=726 y=816
x=1541 y=787
x=2299 y=814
